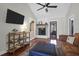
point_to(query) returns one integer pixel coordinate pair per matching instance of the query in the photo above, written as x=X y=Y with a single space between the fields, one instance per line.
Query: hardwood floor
x=18 y=52
x=23 y=51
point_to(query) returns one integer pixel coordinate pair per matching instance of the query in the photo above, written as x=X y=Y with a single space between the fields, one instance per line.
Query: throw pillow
x=70 y=39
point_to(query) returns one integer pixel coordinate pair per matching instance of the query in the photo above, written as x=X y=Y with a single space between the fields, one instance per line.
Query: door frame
x=50 y=28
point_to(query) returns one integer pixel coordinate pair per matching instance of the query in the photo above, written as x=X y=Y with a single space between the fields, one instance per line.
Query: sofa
x=67 y=48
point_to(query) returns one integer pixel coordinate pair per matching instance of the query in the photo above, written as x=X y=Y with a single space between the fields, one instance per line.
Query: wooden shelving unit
x=17 y=40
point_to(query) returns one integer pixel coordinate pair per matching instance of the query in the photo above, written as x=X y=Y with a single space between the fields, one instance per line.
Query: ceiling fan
x=46 y=6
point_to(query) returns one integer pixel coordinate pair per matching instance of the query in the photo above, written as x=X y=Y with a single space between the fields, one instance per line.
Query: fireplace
x=41 y=31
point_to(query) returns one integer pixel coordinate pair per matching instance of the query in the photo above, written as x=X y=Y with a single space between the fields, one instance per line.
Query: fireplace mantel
x=42 y=24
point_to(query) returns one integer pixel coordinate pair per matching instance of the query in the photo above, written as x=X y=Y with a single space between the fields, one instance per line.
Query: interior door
x=53 y=30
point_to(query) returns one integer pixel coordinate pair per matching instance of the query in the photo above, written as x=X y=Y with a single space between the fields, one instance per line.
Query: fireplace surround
x=41 y=29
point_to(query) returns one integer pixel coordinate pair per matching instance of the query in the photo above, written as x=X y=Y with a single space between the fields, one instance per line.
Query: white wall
x=74 y=12
x=5 y=28
x=32 y=33
x=62 y=26
x=58 y=14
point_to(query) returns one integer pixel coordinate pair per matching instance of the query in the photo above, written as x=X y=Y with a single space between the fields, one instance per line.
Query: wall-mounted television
x=14 y=17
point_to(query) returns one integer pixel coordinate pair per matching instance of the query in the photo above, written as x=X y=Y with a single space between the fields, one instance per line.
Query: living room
x=34 y=20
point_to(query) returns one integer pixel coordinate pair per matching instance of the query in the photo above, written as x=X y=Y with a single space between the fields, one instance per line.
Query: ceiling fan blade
x=40 y=4
x=40 y=9
x=46 y=10
x=47 y=4
x=52 y=6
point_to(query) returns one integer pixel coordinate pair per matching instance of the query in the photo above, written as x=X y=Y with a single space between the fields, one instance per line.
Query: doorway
x=32 y=26
x=53 y=30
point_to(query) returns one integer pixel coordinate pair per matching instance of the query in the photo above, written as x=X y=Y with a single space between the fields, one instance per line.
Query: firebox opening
x=41 y=31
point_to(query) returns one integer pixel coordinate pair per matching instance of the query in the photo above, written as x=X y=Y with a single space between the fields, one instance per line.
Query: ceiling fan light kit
x=46 y=6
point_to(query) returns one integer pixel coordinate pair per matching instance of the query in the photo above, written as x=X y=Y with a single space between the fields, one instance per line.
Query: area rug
x=41 y=49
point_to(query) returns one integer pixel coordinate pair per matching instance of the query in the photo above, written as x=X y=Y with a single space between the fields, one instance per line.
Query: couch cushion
x=70 y=39
x=68 y=49
x=76 y=41
x=63 y=37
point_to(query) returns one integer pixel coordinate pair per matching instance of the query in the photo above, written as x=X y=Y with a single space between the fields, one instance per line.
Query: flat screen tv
x=14 y=17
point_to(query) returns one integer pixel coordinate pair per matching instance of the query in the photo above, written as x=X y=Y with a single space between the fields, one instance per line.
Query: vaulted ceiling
x=60 y=11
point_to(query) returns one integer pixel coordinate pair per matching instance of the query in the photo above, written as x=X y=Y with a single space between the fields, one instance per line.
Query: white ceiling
x=60 y=11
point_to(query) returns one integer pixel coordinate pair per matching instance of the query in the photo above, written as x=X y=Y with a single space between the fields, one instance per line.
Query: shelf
x=17 y=40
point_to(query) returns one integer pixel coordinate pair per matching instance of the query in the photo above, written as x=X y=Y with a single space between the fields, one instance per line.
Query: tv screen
x=14 y=17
